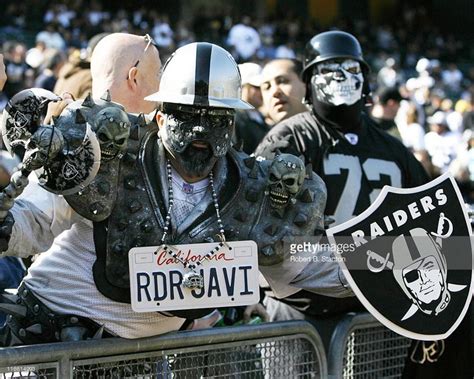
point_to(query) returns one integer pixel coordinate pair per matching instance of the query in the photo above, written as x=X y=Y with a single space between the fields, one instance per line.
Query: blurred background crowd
x=421 y=54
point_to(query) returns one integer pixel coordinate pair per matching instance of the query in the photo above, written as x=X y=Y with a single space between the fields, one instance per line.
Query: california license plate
x=230 y=276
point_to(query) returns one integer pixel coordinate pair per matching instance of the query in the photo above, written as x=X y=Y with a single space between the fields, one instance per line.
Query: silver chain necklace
x=191 y=279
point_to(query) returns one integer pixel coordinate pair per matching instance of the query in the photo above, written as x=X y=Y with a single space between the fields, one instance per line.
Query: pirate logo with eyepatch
x=411 y=259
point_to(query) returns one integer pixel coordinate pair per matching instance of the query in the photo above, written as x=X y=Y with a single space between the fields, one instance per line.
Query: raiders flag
x=410 y=261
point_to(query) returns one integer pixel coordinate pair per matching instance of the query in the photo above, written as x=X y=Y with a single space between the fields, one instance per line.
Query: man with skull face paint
x=350 y=153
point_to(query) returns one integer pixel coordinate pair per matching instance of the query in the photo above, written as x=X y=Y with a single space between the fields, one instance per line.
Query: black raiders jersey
x=354 y=167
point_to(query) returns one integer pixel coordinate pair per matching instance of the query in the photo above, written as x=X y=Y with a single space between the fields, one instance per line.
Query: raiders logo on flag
x=410 y=261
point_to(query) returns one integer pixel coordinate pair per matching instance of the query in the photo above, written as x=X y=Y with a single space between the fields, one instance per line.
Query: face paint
x=337 y=83
x=196 y=137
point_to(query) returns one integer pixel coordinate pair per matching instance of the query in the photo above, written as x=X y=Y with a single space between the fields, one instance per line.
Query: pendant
x=193 y=280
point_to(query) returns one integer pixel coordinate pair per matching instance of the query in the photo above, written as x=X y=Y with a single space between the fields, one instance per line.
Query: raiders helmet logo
x=411 y=258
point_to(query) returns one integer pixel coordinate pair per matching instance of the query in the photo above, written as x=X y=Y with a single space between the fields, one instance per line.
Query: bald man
x=125 y=64
x=129 y=67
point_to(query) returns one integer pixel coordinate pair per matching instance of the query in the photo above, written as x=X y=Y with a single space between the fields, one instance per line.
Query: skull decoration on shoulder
x=286 y=176
x=112 y=127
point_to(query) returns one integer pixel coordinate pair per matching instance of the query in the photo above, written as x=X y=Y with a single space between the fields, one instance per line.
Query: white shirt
x=61 y=277
x=186 y=196
x=245 y=40
x=442 y=148
x=413 y=136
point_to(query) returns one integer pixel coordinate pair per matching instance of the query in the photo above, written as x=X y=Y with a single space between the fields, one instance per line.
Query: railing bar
x=394 y=340
x=378 y=351
x=373 y=372
x=374 y=361
x=385 y=349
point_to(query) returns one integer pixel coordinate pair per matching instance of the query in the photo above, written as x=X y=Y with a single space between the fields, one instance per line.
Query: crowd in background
x=422 y=82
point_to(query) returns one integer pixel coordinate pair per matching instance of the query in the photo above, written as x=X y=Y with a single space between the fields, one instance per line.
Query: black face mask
x=211 y=127
x=346 y=118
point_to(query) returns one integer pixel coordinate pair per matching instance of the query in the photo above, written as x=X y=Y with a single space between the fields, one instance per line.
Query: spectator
x=282 y=89
x=162 y=33
x=51 y=37
x=286 y=51
x=385 y=110
x=35 y=55
x=54 y=60
x=138 y=74
x=244 y=40
x=468 y=115
x=251 y=74
x=440 y=142
x=18 y=72
x=250 y=126
x=462 y=168
x=336 y=137
x=12 y=269
x=388 y=76
x=452 y=78
x=411 y=132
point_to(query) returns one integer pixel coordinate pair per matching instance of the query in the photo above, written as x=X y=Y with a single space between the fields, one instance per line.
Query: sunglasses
x=149 y=41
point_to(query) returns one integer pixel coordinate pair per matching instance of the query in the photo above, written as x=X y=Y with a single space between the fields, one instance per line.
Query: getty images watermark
x=319 y=251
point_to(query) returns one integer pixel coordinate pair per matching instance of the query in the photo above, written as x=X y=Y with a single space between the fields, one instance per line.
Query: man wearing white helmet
x=183 y=185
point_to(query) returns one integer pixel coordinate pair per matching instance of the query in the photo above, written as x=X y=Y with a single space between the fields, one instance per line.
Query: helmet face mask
x=337 y=82
x=200 y=89
x=197 y=136
x=332 y=46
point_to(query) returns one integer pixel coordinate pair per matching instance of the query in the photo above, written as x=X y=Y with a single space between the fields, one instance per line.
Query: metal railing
x=361 y=347
x=271 y=350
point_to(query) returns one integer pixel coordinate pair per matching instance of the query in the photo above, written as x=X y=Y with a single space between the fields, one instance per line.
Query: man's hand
x=55 y=109
x=3 y=74
x=206 y=322
x=256 y=309
x=268 y=151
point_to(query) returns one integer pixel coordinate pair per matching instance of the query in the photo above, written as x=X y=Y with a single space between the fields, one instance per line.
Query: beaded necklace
x=191 y=279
